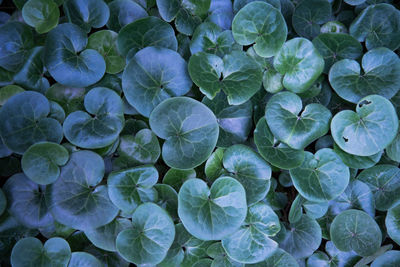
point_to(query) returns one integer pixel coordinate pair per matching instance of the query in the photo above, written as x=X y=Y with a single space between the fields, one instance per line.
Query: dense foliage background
x=199 y=133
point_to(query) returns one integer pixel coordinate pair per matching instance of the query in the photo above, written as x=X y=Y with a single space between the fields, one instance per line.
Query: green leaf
x=87 y=14
x=69 y=98
x=3 y=202
x=104 y=237
x=145 y=32
x=262 y=24
x=237 y=74
x=101 y=124
x=77 y=199
x=356 y=230
x=309 y=15
x=239 y=4
x=16 y=39
x=153 y=75
x=8 y=91
x=359 y=162
x=261 y=222
x=393 y=150
x=84 y=259
x=189 y=128
x=123 y=12
x=214 y=167
x=105 y=42
x=279 y=258
x=337 y=46
x=250 y=169
x=380 y=76
x=220 y=258
x=43 y=15
x=176 y=177
x=26 y=201
x=149 y=238
x=384 y=182
x=293 y=125
x=388 y=259
x=67 y=60
x=212 y=214
x=234 y=122
x=377 y=25
x=302 y=238
x=31 y=252
x=41 y=162
x=167 y=199
x=368 y=130
x=273 y=151
x=24 y=122
x=129 y=188
x=300 y=63
x=321 y=177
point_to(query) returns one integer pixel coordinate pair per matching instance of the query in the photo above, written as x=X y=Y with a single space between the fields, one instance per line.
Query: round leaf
x=123 y=12
x=102 y=123
x=388 y=259
x=250 y=170
x=262 y=24
x=30 y=252
x=129 y=188
x=24 y=122
x=293 y=125
x=77 y=199
x=321 y=177
x=356 y=230
x=190 y=129
x=279 y=258
x=380 y=76
x=152 y=234
x=41 y=14
x=368 y=130
x=273 y=151
x=83 y=259
x=41 y=162
x=145 y=32
x=358 y=162
x=67 y=60
x=237 y=74
x=251 y=243
x=392 y=223
x=153 y=75
x=212 y=214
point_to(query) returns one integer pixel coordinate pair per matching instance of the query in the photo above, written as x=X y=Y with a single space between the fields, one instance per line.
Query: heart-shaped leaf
x=234 y=121
x=261 y=222
x=262 y=24
x=220 y=258
x=377 y=25
x=77 y=199
x=380 y=76
x=212 y=214
x=41 y=162
x=321 y=177
x=389 y=258
x=358 y=162
x=292 y=125
x=176 y=178
x=69 y=98
x=123 y=12
x=189 y=128
x=41 y=14
x=67 y=60
x=146 y=32
x=84 y=259
x=30 y=251
x=8 y=91
x=251 y=170
x=368 y=130
x=392 y=223
x=384 y=182
x=273 y=151
x=300 y=63
x=87 y=14
x=105 y=42
x=239 y=4
x=237 y=74
x=129 y=188
x=102 y=123
x=16 y=39
x=149 y=238
x=24 y=121
x=26 y=201
x=153 y=75
x=307 y=18
x=336 y=46
x=356 y=230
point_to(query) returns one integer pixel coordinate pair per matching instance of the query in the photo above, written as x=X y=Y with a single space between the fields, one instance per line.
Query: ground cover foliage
x=199 y=133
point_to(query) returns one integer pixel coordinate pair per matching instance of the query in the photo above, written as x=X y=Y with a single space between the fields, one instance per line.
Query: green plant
x=180 y=133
